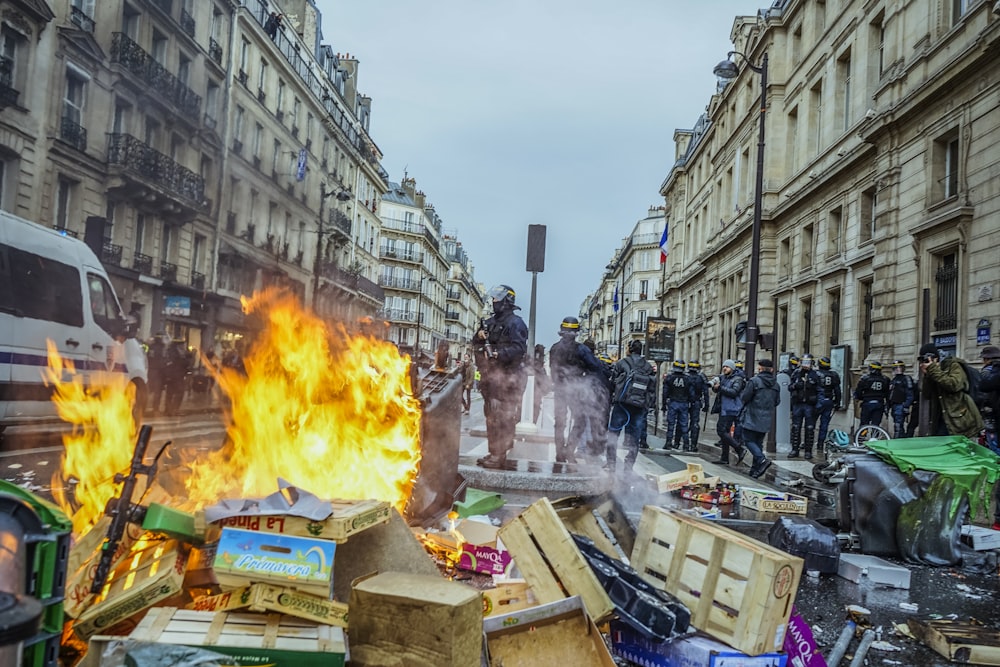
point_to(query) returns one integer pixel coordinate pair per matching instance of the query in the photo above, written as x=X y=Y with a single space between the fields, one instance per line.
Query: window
x=262 y=77
x=876 y=37
x=12 y=52
x=279 y=105
x=808 y=243
x=238 y=125
x=784 y=258
x=120 y=124
x=844 y=91
x=834 y=231
x=792 y=140
x=212 y=103
x=244 y=60
x=184 y=71
x=806 y=305
x=833 y=298
x=140 y=233
x=258 y=133
x=946 y=291
x=166 y=240
x=816 y=117
x=76 y=87
x=65 y=191
x=869 y=202
x=54 y=294
x=152 y=136
x=867 y=306
x=160 y=42
x=275 y=156
x=958 y=10
x=797 y=43
x=103 y=304
x=130 y=22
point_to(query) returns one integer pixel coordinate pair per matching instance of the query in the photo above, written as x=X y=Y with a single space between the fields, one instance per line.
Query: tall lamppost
x=341 y=195
x=727 y=71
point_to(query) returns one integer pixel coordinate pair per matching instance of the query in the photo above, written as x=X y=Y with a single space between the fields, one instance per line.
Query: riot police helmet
x=875 y=366
x=693 y=365
x=824 y=362
x=503 y=298
x=570 y=326
x=679 y=364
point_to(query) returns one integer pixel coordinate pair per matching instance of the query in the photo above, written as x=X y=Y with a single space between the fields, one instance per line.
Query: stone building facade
x=880 y=211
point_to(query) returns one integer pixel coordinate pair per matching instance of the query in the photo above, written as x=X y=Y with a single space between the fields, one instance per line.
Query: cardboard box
x=781 y=502
x=508 y=597
x=474 y=547
x=980 y=538
x=558 y=633
x=267 y=597
x=150 y=575
x=253 y=639
x=694 y=474
x=550 y=561
x=347 y=517
x=695 y=650
x=855 y=566
x=82 y=565
x=740 y=591
x=415 y=620
x=244 y=556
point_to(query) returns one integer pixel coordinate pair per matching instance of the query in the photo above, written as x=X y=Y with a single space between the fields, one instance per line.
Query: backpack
x=973 y=377
x=633 y=387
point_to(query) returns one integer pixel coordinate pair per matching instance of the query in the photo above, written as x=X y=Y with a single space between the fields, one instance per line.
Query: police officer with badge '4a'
x=829 y=398
x=873 y=392
x=700 y=403
x=902 y=392
x=804 y=390
x=678 y=394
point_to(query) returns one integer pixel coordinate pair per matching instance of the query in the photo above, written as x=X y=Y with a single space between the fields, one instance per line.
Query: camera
x=926 y=358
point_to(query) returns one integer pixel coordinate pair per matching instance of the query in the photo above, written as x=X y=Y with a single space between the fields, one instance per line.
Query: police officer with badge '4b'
x=678 y=394
x=829 y=398
x=902 y=392
x=873 y=392
x=700 y=403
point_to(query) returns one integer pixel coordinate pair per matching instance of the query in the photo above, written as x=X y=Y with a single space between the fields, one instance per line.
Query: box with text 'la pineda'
x=244 y=556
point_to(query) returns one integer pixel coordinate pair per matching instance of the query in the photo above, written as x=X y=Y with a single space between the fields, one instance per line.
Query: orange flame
x=101 y=442
x=331 y=413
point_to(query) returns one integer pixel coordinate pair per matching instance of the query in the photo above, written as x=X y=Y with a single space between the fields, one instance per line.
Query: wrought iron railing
x=73 y=134
x=80 y=19
x=8 y=96
x=111 y=254
x=134 y=58
x=399 y=283
x=399 y=315
x=340 y=222
x=451 y=314
x=197 y=280
x=143 y=263
x=168 y=271
x=946 y=278
x=143 y=160
x=215 y=50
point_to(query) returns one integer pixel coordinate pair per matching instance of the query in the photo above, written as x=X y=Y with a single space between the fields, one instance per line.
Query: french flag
x=663 y=246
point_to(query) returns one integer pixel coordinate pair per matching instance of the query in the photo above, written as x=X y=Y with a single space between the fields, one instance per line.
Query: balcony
x=453 y=294
x=242 y=77
x=351 y=282
x=165 y=85
x=111 y=254
x=406 y=284
x=73 y=134
x=152 y=181
x=399 y=315
x=215 y=50
x=8 y=96
x=339 y=223
x=143 y=264
x=197 y=280
x=168 y=272
x=451 y=315
x=187 y=23
x=80 y=19
x=401 y=255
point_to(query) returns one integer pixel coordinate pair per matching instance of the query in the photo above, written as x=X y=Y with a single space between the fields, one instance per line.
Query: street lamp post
x=727 y=71
x=341 y=195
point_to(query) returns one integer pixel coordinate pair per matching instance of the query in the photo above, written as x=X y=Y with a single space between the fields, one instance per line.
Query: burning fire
x=330 y=412
x=101 y=442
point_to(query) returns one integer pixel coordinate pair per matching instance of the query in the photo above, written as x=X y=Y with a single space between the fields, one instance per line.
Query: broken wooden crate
x=959 y=641
x=550 y=561
x=672 y=481
x=739 y=590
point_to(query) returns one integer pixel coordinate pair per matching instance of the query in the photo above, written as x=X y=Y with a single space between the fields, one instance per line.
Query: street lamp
x=341 y=195
x=727 y=71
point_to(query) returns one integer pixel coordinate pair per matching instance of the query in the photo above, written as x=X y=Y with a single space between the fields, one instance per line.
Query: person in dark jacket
x=678 y=395
x=729 y=387
x=989 y=387
x=829 y=399
x=631 y=420
x=760 y=398
x=945 y=386
x=804 y=390
x=572 y=363
x=902 y=391
x=873 y=392
x=699 y=405
x=500 y=348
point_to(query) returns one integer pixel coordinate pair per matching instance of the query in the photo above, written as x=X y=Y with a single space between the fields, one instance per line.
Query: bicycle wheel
x=870 y=432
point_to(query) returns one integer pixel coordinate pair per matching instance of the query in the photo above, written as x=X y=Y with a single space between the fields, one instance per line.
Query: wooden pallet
x=965 y=642
x=550 y=561
x=739 y=590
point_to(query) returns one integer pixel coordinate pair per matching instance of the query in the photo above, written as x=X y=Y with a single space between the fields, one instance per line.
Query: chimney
x=349 y=64
x=410 y=187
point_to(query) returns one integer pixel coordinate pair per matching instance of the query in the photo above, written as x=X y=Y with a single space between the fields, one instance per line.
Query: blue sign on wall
x=178 y=306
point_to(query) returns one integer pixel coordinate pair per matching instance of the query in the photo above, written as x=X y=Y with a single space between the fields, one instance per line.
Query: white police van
x=53 y=287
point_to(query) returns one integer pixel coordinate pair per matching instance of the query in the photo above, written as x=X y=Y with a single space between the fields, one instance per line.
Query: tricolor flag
x=614 y=300
x=663 y=245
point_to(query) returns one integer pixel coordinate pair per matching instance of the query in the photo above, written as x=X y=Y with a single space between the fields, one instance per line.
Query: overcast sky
x=552 y=112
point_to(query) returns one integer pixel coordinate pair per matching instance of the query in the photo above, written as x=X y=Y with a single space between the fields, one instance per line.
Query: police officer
x=804 y=390
x=902 y=392
x=500 y=346
x=700 y=403
x=678 y=394
x=830 y=397
x=573 y=392
x=873 y=392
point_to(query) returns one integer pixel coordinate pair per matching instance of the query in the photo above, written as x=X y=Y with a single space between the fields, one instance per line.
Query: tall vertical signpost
x=535 y=264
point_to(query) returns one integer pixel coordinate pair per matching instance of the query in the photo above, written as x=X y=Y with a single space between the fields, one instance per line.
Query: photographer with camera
x=945 y=384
